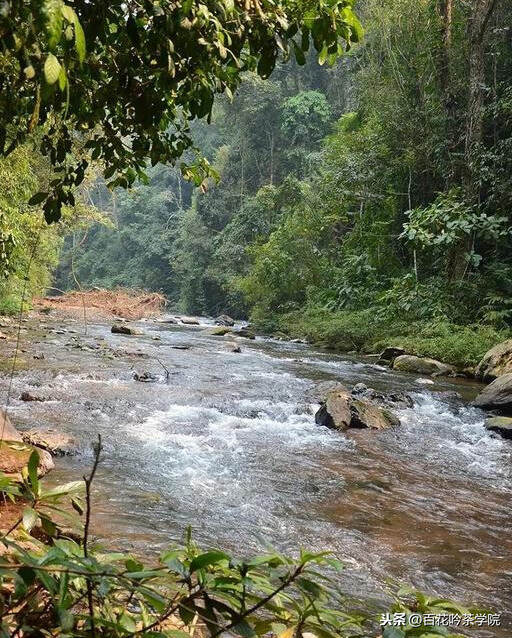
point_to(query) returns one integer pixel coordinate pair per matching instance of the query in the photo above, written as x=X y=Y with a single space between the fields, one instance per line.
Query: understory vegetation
x=53 y=582
x=372 y=197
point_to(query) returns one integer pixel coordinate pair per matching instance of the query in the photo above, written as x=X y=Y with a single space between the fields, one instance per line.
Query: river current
x=229 y=445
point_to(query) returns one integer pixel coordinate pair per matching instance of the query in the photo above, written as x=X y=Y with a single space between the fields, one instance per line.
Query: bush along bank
x=59 y=583
x=366 y=332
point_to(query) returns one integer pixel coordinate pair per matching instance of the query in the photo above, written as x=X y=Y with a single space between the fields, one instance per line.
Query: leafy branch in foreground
x=63 y=586
x=132 y=75
x=66 y=586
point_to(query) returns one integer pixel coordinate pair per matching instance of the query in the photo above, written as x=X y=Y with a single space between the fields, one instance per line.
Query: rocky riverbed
x=219 y=431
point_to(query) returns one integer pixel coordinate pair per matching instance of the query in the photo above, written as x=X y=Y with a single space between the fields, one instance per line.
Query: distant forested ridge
x=378 y=186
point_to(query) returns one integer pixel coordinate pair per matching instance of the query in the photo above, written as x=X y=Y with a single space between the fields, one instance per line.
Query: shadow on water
x=229 y=445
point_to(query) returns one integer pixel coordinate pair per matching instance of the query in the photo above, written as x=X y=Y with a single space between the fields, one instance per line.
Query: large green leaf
x=52 y=68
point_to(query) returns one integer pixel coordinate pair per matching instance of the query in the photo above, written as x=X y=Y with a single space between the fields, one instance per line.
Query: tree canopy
x=130 y=76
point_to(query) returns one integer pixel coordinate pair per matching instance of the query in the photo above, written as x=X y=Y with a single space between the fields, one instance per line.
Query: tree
x=132 y=75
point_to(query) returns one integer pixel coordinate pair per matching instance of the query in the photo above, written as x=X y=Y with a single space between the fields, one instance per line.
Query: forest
x=353 y=202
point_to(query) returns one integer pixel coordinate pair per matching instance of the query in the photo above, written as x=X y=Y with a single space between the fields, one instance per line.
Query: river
x=229 y=445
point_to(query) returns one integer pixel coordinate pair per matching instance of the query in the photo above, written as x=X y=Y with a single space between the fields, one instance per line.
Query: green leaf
x=38 y=198
x=244 y=629
x=49 y=526
x=52 y=69
x=68 y=13
x=299 y=54
x=209 y=558
x=53 y=10
x=64 y=490
x=127 y=623
x=63 y=80
x=80 y=45
x=30 y=517
x=322 y=56
x=33 y=464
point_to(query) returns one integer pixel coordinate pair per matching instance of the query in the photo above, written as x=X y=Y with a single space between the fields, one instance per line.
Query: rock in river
x=26 y=396
x=244 y=332
x=500 y=424
x=53 y=441
x=121 y=329
x=497 y=395
x=391 y=353
x=421 y=365
x=341 y=411
x=495 y=362
x=189 y=321
x=385 y=400
x=218 y=331
x=224 y=320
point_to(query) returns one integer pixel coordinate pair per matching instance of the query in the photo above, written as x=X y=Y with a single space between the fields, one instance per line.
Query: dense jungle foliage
x=374 y=190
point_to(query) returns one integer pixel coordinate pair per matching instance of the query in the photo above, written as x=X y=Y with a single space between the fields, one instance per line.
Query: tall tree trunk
x=445 y=9
x=481 y=13
x=480 y=16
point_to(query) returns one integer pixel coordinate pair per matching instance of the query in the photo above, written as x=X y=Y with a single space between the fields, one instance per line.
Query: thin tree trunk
x=480 y=15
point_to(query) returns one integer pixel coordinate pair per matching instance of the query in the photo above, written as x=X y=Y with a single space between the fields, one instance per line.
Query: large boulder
x=225 y=320
x=422 y=365
x=335 y=412
x=14 y=456
x=497 y=395
x=318 y=393
x=341 y=410
x=53 y=441
x=496 y=362
x=7 y=430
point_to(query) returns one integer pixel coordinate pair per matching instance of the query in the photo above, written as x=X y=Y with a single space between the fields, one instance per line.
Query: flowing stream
x=229 y=445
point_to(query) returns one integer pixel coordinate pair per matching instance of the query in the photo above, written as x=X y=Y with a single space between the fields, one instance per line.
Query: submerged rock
x=57 y=443
x=190 y=321
x=26 y=396
x=218 y=331
x=422 y=365
x=224 y=320
x=145 y=377
x=496 y=362
x=122 y=329
x=341 y=410
x=424 y=381
x=234 y=347
x=244 y=332
x=500 y=424
x=497 y=395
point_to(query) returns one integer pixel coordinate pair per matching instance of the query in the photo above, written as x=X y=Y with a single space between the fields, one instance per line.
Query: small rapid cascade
x=230 y=446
